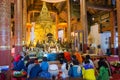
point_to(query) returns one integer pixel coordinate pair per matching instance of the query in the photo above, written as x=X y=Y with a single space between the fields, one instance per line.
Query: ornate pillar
x=118 y=24
x=83 y=14
x=24 y=19
x=18 y=26
x=5 y=32
x=56 y=16
x=113 y=32
x=69 y=27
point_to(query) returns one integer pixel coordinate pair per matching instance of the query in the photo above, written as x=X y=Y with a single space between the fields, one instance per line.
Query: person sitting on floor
x=44 y=69
x=75 y=69
x=67 y=55
x=29 y=67
x=18 y=64
x=16 y=60
x=91 y=62
x=53 y=70
x=44 y=64
x=34 y=70
x=88 y=71
x=64 y=69
x=78 y=55
x=103 y=71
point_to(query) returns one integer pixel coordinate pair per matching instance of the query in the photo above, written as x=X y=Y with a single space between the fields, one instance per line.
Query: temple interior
x=49 y=28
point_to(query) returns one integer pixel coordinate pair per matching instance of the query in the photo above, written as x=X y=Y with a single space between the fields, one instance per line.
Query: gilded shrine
x=44 y=25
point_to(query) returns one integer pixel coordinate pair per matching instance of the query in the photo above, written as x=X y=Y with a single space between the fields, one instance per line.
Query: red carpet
x=115 y=76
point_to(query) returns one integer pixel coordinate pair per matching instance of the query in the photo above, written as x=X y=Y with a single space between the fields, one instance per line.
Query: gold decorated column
x=24 y=19
x=83 y=14
x=56 y=16
x=118 y=24
x=113 y=32
x=18 y=26
x=69 y=27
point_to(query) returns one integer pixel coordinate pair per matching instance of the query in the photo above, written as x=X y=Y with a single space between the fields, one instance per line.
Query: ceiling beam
x=32 y=1
x=99 y=7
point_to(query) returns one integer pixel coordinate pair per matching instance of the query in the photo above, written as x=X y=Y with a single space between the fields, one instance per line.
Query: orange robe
x=78 y=57
x=67 y=56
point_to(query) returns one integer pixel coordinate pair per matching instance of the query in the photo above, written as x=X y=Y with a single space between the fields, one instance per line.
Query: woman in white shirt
x=64 y=69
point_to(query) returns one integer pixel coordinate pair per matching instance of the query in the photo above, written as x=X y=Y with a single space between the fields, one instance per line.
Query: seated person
x=44 y=69
x=103 y=71
x=101 y=60
x=88 y=57
x=35 y=70
x=53 y=70
x=75 y=69
x=29 y=66
x=67 y=55
x=78 y=55
x=64 y=69
x=18 y=64
x=88 y=71
x=44 y=64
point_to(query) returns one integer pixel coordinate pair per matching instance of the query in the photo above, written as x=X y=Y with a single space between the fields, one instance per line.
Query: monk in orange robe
x=78 y=55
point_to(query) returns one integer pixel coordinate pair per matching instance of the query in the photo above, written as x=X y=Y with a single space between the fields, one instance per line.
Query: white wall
x=105 y=40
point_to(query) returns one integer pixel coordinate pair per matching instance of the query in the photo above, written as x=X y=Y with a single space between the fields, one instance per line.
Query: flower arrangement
x=115 y=64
